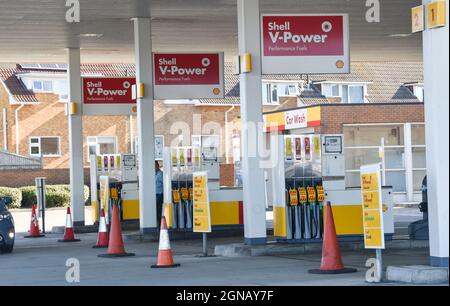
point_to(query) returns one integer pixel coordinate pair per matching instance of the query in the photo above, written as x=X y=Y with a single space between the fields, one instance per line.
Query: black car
x=7 y=232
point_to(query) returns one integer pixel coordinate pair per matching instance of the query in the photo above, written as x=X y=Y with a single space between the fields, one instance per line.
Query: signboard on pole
x=202 y=213
x=372 y=206
x=417 y=19
x=188 y=76
x=108 y=96
x=299 y=43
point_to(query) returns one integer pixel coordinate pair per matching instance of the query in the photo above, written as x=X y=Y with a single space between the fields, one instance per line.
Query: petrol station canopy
x=36 y=31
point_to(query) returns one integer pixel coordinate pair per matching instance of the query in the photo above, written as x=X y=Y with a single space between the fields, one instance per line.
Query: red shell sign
x=108 y=90
x=305 y=44
x=303 y=35
x=187 y=69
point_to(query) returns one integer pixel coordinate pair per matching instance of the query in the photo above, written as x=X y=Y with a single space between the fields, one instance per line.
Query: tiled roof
x=386 y=81
x=15 y=87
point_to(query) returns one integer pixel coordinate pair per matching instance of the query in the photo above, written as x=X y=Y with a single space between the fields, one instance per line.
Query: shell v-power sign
x=294 y=44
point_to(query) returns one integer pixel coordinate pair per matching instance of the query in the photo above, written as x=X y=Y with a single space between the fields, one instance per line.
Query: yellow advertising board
x=372 y=206
x=202 y=210
x=417 y=19
x=104 y=193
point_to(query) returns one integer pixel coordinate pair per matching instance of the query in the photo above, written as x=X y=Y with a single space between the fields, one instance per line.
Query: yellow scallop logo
x=134 y=109
x=340 y=64
x=216 y=91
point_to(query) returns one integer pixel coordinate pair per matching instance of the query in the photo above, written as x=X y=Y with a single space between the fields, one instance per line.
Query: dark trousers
x=159 y=208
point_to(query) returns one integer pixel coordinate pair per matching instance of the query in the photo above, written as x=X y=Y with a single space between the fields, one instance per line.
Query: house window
x=42 y=86
x=61 y=88
x=273 y=92
x=292 y=90
x=348 y=93
x=417 y=91
x=45 y=146
x=356 y=94
x=101 y=145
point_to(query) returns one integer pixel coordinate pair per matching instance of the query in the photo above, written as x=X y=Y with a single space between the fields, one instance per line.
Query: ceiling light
x=91 y=35
x=400 y=35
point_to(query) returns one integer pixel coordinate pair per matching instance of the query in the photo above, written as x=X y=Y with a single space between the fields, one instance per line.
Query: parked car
x=7 y=231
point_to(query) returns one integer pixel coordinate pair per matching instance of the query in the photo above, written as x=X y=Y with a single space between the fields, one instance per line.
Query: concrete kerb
x=425 y=275
x=273 y=248
x=182 y=235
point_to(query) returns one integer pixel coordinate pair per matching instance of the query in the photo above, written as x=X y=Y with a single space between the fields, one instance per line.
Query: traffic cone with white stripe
x=34 y=225
x=102 y=240
x=116 y=247
x=165 y=256
x=69 y=235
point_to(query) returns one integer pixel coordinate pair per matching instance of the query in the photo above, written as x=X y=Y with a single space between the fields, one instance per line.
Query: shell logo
x=206 y=62
x=126 y=85
x=340 y=64
x=134 y=109
x=216 y=91
x=327 y=26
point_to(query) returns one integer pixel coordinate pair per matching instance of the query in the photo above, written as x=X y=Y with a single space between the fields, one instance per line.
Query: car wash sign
x=293 y=119
x=295 y=44
x=189 y=76
x=108 y=96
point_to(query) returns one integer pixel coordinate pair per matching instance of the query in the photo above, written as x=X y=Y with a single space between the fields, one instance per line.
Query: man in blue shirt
x=159 y=187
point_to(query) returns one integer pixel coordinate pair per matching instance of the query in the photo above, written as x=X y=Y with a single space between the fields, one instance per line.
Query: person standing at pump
x=159 y=182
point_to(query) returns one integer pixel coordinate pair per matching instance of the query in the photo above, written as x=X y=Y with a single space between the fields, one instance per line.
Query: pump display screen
x=333 y=144
x=209 y=153
x=129 y=160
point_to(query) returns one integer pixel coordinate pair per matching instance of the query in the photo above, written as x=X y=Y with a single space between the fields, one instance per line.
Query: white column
x=76 y=138
x=251 y=114
x=436 y=77
x=408 y=163
x=145 y=125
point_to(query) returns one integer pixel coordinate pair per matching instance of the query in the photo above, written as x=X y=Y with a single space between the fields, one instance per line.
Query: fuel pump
x=182 y=174
x=314 y=212
x=188 y=186
x=304 y=213
x=185 y=161
x=312 y=171
x=293 y=201
x=302 y=175
x=321 y=200
x=176 y=202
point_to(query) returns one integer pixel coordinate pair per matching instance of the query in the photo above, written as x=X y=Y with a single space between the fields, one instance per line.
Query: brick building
x=34 y=124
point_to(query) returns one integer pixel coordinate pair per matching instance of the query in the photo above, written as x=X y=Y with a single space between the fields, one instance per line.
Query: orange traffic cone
x=69 y=235
x=165 y=257
x=116 y=247
x=34 y=225
x=331 y=255
x=102 y=240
